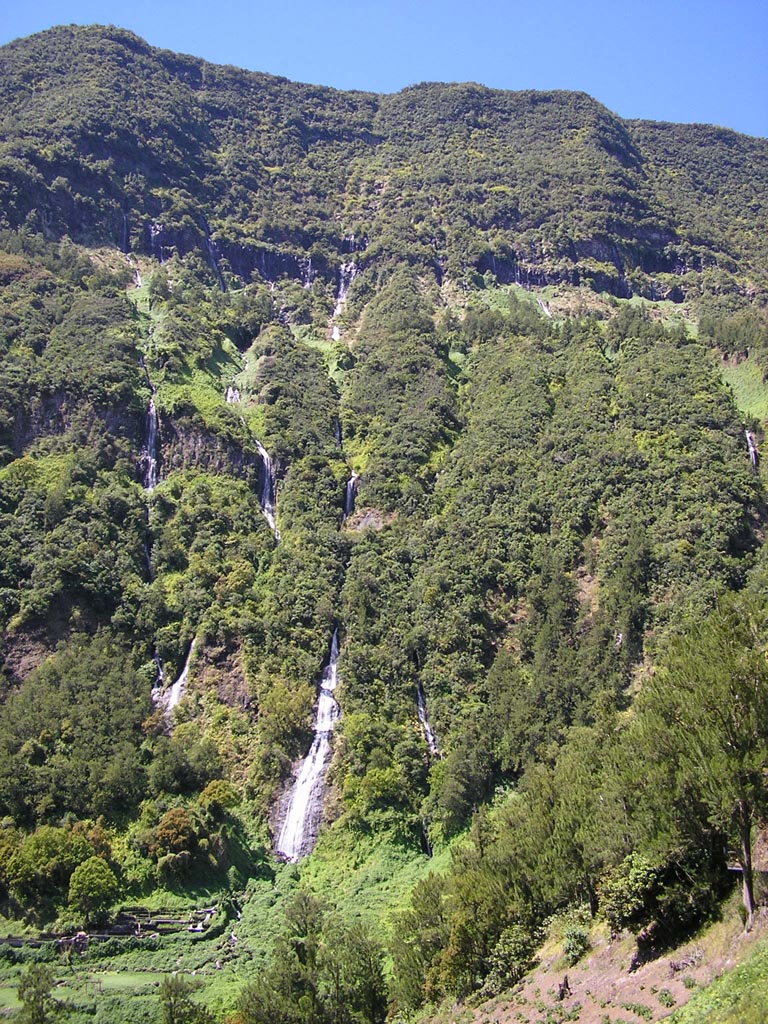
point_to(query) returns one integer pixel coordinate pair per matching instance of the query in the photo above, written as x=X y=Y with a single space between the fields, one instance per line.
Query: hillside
x=418 y=432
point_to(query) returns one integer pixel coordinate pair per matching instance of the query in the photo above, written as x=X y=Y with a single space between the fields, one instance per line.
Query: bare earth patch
x=603 y=989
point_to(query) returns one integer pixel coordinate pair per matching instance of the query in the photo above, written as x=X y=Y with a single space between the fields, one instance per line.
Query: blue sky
x=673 y=61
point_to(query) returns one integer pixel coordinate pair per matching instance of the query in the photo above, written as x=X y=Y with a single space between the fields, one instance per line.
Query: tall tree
x=708 y=709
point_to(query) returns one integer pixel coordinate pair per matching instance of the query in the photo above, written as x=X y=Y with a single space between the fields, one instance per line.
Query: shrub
x=575 y=944
x=510 y=959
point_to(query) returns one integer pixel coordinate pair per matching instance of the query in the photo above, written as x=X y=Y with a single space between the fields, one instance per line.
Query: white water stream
x=305 y=806
x=152 y=448
x=421 y=709
x=267 y=496
x=349 y=496
x=753 y=456
x=347 y=274
x=168 y=699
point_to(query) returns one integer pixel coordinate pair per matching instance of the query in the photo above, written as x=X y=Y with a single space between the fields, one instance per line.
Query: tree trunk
x=745 y=838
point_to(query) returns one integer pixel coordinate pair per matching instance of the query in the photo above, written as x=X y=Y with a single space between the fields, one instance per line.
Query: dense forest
x=430 y=385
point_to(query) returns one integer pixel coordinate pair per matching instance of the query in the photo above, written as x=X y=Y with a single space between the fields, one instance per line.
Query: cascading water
x=753 y=456
x=421 y=708
x=305 y=805
x=155 y=234
x=151 y=456
x=267 y=496
x=213 y=259
x=349 y=496
x=168 y=699
x=233 y=395
x=307 y=272
x=347 y=274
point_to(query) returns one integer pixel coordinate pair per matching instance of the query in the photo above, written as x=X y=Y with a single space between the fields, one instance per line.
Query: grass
x=8 y=998
x=739 y=997
x=749 y=389
x=370 y=876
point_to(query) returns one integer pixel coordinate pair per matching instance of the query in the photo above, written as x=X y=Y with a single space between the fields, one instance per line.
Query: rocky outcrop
x=185 y=445
x=55 y=414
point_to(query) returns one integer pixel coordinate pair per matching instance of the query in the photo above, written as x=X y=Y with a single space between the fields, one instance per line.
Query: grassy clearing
x=8 y=998
x=750 y=391
x=370 y=876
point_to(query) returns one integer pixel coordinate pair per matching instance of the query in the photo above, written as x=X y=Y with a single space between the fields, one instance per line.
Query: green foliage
x=575 y=944
x=511 y=959
x=38 y=1005
x=177 y=1005
x=92 y=889
x=708 y=714
x=39 y=870
x=626 y=893
x=70 y=735
x=323 y=969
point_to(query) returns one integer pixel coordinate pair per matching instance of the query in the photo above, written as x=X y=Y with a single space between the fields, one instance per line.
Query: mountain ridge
x=617 y=235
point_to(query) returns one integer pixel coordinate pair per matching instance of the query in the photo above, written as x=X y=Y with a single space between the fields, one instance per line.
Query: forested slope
x=275 y=364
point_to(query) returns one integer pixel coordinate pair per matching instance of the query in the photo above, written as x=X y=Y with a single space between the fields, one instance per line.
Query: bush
x=510 y=959
x=575 y=944
x=627 y=893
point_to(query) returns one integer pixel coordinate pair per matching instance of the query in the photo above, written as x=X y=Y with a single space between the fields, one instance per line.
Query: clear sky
x=667 y=60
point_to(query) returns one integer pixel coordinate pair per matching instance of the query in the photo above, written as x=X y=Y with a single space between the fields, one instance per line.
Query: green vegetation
x=549 y=594
x=739 y=996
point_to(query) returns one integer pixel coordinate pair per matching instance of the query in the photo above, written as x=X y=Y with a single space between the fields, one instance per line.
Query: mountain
x=371 y=497
x=541 y=187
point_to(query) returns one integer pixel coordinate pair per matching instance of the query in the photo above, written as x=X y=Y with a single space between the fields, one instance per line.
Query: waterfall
x=307 y=273
x=347 y=274
x=233 y=395
x=148 y=560
x=349 y=496
x=155 y=246
x=267 y=495
x=151 y=455
x=213 y=259
x=753 y=456
x=305 y=805
x=421 y=707
x=168 y=699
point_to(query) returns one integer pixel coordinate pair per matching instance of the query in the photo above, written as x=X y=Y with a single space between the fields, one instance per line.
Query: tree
x=708 y=712
x=352 y=973
x=92 y=889
x=34 y=991
x=177 y=1005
